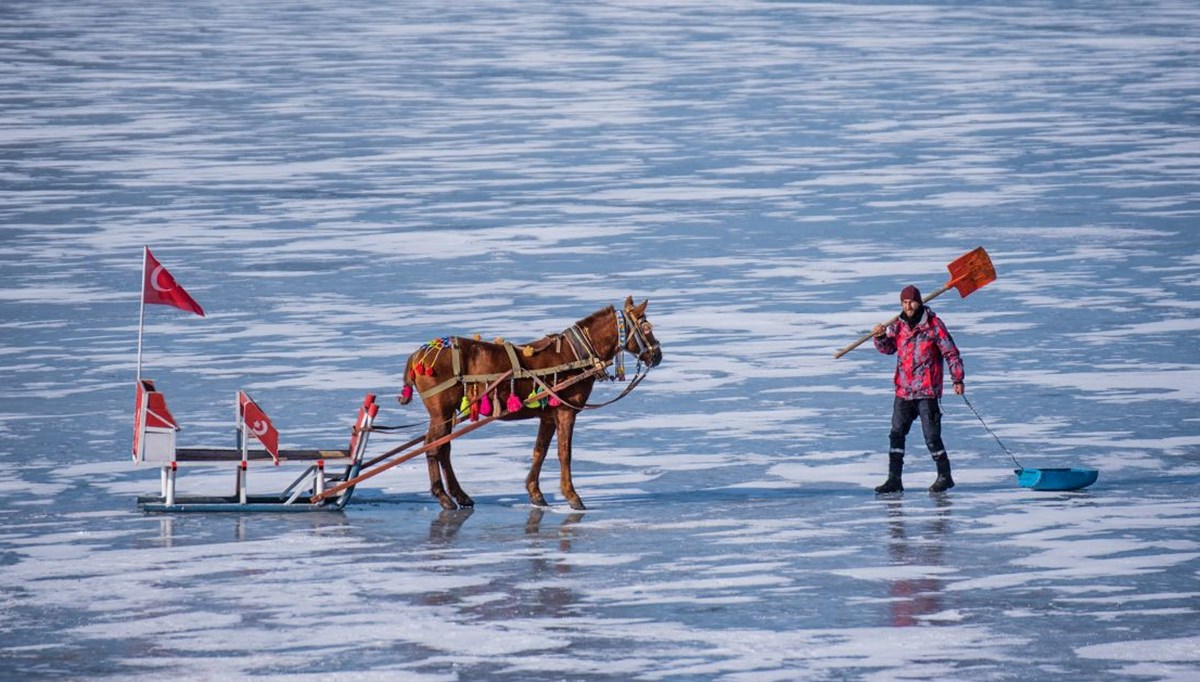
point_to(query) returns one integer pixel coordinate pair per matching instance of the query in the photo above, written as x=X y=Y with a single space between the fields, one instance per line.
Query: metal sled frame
x=154 y=444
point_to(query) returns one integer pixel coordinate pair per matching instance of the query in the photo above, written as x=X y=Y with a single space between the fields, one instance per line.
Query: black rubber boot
x=893 y=484
x=944 y=481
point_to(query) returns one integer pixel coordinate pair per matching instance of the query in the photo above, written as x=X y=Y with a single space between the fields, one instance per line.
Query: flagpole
x=141 y=313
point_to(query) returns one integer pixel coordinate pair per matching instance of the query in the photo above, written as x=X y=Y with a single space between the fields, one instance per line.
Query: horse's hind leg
x=452 y=486
x=540 y=447
x=437 y=429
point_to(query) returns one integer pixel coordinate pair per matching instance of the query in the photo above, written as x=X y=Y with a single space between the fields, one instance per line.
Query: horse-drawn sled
x=464 y=383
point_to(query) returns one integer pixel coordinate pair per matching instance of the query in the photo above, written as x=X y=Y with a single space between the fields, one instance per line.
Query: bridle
x=626 y=322
x=640 y=328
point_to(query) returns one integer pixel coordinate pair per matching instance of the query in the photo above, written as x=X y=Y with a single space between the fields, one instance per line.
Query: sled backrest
x=362 y=428
x=154 y=426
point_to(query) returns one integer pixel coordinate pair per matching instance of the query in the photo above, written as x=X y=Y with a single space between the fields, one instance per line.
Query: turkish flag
x=259 y=424
x=160 y=287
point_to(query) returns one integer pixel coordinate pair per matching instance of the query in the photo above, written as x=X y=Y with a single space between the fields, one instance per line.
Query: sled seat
x=197 y=455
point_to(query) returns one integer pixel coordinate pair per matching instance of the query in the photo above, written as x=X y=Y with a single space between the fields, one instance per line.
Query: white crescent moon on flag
x=259 y=428
x=154 y=280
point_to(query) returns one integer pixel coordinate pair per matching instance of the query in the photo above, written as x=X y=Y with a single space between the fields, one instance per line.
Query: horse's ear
x=628 y=302
x=640 y=311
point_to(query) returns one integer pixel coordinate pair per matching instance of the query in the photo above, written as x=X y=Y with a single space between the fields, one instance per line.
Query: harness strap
x=518 y=371
x=579 y=344
x=619 y=359
x=440 y=387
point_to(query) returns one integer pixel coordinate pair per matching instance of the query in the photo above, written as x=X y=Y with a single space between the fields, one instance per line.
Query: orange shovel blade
x=971 y=271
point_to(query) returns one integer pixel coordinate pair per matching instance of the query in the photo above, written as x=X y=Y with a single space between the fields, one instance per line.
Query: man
x=920 y=342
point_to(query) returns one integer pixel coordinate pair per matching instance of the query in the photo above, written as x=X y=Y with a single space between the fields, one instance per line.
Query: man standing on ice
x=920 y=342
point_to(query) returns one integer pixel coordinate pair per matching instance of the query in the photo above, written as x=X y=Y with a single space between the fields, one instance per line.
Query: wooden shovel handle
x=861 y=341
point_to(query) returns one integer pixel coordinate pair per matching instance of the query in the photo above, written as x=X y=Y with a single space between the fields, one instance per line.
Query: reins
x=637 y=379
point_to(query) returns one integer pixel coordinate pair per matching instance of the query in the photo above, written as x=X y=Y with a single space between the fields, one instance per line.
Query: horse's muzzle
x=655 y=357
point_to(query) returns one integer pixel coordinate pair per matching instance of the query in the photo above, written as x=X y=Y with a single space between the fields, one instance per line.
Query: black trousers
x=905 y=412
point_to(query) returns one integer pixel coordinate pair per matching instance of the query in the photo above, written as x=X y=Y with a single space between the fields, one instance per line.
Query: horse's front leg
x=565 y=419
x=540 y=447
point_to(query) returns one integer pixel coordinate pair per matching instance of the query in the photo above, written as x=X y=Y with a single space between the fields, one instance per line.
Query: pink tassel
x=554 y=401
x=513 y=404
x=485 y=406
x=406 y=394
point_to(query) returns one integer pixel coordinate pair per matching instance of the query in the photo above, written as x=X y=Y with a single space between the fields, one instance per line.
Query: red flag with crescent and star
x=160 y=287
x=259 y=424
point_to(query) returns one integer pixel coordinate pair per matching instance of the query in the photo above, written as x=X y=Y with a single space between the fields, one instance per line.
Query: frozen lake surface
x=337 y=183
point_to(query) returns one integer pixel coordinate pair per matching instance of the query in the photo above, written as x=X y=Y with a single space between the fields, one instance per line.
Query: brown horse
x=451 y=374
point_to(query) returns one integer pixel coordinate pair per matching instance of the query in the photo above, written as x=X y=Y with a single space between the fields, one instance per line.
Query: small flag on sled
x=252 y=419
x=160 y=288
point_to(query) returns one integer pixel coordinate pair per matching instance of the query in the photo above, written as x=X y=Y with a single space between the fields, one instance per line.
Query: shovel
x=968 y=272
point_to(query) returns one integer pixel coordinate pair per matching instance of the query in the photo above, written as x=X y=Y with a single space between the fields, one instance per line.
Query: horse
x=460 y=376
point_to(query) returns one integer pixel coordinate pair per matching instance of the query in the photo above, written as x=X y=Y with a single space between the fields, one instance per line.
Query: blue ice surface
x=339 y=183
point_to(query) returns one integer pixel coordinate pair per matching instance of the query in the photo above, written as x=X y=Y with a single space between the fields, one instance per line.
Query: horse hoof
x=466 y=503
x=577 y=505
x=447 y=503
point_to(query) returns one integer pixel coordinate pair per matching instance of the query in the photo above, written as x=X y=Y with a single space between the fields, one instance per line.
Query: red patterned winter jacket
x=921 y=349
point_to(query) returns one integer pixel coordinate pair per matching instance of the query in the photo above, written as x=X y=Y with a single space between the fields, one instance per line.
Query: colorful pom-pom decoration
x=464 y=406
x=513 y=404
x=406 y=393
x=485 y=406
x=475 y=412
x=532 y=400
x=554 y=401
x=527 y=351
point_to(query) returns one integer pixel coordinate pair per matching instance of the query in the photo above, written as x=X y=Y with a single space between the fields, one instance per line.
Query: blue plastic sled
x=1073 y=478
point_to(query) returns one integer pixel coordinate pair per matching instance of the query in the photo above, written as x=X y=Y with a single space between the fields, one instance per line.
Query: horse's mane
x=542 y=342
x=607 y=310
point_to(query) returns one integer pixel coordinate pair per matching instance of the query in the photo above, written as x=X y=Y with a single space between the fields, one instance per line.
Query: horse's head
x=640 y=341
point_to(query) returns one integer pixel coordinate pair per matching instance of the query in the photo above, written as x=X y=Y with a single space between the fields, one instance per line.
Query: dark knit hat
x=910 y=293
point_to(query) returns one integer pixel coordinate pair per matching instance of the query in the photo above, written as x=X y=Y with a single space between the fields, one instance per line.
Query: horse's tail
x=406 y=393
